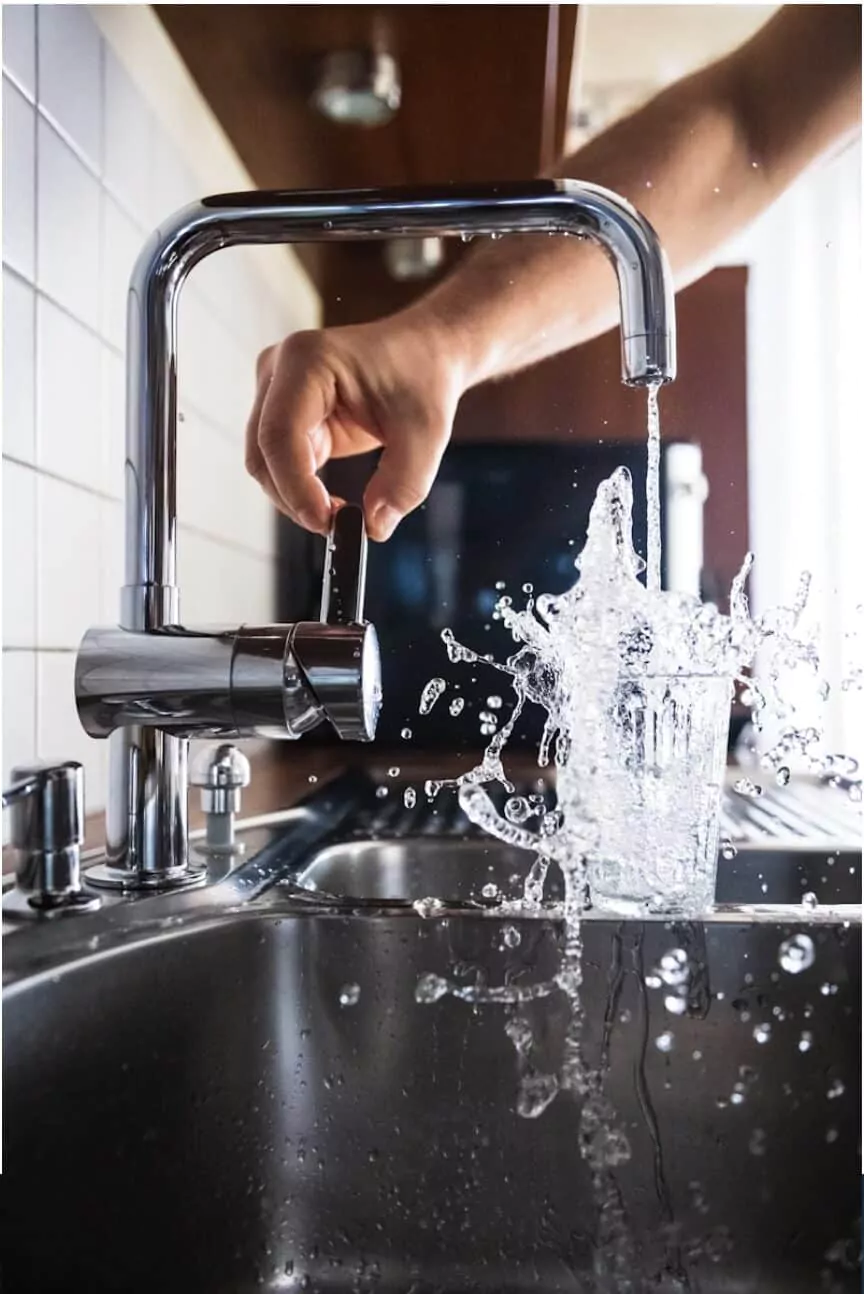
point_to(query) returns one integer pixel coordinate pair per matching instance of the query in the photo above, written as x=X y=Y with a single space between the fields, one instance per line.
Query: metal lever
x=344 y=593
x=339 y=655
x=47 y=832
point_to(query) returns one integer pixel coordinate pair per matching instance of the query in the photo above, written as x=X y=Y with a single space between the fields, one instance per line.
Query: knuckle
x=408 y=495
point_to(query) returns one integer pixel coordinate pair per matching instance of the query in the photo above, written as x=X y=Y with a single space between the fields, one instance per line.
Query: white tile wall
x=19 y=710
x=19 y=45
x=19 y=559
x=67 y=227
x=88 y=170
x=70 y=76
x=19 y=368
x=68 y=408
x=19 y=181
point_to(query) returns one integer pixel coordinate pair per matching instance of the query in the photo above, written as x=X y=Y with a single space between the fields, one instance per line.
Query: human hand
x=327 y=394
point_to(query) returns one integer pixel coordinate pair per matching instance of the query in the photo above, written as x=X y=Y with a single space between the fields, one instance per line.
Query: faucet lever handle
x=344 y=592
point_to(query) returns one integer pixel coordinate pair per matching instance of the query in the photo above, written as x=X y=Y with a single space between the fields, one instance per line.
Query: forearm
x=700 y=161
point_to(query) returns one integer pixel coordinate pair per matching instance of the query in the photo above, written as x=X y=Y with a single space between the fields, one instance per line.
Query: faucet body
x=152 y=684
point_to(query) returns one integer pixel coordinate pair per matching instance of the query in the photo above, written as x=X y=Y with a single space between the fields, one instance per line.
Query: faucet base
x=108 y=877
x=19 y=905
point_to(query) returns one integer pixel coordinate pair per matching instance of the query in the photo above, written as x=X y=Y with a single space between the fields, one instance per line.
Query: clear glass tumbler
x=642 y=785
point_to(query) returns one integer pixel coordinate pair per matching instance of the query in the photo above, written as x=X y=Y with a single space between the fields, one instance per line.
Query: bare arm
x=701 y=161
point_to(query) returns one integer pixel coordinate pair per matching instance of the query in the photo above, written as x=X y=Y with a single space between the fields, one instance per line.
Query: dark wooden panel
x=483 y=92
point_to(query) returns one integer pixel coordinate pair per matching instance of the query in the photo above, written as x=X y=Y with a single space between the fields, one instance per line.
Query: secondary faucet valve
x=221 y=772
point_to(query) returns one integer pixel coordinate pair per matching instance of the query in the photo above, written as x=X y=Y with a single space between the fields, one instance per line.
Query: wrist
x=452 y=336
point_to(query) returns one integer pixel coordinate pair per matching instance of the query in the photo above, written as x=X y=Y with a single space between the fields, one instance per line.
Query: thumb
x=404 y=477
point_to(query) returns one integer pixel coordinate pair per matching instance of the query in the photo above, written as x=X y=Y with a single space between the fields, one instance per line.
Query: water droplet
x=745 y=787
x=428 y=907
x=430 y=988
x=831 y=1136
x=653 y=981
x=836 y=1089
x=827 y=990
x=491 y=891
x=527 y=588
x=500 y=584
x=697 y=1055
x=517 y=809
x=809 y=900
x=494 y=702
x=664 y=1041
x=406 y=734
x=536 y=1093
x=762 y=1033
x=409 y=797
x=394 y=771
x=674 y=1004
x=349 y=995
x=737 y=1097
x=511 y=937
x=782 y=776
x=757 y=1142
x=674 y=968
x=312 y=778
x=457 y=705
x=430 y=694
x=382 y=792
x=796 y=954
x=727 y=849
x=805 y=1042
x=431 y=788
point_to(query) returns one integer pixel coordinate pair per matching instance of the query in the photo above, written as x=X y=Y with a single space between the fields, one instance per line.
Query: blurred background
x=113 y=116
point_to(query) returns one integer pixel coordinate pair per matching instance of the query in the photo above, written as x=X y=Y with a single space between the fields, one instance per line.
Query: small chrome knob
x=46 y=803
x=221 y=772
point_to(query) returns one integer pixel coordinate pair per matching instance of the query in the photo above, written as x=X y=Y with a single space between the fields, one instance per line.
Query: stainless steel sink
x=208 y=1098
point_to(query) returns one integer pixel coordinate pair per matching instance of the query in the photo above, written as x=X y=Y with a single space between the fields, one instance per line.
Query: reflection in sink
x=458 y=870
x=213 y=1108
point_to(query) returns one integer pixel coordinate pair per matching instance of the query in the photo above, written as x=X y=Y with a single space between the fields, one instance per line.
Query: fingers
x=404 y=478
x=255 y=464
x=291 y=439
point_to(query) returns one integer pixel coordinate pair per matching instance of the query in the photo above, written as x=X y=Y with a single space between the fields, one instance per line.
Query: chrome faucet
x=151 y=683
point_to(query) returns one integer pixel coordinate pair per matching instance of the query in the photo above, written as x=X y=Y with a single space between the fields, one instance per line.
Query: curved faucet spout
x=543 y=206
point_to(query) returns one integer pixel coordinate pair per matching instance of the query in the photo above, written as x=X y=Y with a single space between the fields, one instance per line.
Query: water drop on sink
x=836 y=1089
x=762 y=1033
x=349 y=995
x=665 y=1041
x=805 y=1042
x=511 y=937
x=796 y=954
x=428 y=907
x=674 y=968
x=430 y=988
x=809 y=900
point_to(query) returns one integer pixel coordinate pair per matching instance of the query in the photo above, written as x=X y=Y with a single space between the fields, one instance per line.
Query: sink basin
x=254 y=1099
